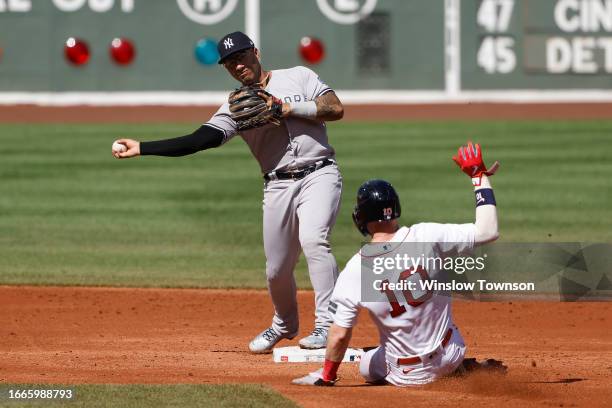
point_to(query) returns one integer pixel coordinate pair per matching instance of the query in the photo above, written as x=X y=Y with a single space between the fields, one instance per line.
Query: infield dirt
x=559 y=354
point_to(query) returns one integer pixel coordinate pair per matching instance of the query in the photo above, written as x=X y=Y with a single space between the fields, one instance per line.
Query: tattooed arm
x=326 y=107
x=329 y=107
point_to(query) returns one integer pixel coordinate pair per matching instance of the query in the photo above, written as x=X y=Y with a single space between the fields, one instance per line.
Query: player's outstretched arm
x=338 y=340
x=205 y=137
x=469 y=159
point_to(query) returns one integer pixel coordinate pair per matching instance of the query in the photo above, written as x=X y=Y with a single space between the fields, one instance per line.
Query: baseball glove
x=252 y=107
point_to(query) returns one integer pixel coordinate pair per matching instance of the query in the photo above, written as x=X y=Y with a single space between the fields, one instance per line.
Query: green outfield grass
x=72 y=214
x=169 y=396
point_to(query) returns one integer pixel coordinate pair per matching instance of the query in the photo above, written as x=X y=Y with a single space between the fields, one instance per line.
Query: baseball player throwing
x=281 y=115
x=418 y=340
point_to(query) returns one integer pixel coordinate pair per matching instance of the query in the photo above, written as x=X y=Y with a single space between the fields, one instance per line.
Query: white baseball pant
x=376 y=365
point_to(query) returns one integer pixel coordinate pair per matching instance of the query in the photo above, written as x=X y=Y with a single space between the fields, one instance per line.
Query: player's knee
x=274 y=272
x=364 y=369
x=275 y=276
x=373 y=366
x=367 y=373
x=313 y=246
x=364 y=364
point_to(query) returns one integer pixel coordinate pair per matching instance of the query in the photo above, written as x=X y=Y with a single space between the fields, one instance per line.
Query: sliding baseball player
x=418 y=340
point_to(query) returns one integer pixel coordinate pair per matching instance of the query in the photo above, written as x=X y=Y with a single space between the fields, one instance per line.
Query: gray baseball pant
x=300 y=213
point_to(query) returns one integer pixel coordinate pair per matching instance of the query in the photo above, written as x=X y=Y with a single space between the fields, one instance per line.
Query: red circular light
x=312 y=50
x=76 y=51
x=122 y=51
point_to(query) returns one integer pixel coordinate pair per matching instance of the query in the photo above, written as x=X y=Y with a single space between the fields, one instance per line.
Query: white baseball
x=119 y=148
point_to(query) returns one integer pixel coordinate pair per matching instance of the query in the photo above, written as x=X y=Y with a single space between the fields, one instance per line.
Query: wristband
x=485 y=196
x=330 y=369
x=304 y=109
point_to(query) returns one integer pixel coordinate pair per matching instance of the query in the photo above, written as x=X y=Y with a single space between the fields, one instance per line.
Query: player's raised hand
x=315 y=378
x=469 y=159
x=125 y=148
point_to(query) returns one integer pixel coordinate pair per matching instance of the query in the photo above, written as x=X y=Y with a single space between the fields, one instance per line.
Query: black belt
x=299 y=173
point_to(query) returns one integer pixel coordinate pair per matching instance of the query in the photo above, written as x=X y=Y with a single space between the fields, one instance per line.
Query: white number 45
x=496 y=54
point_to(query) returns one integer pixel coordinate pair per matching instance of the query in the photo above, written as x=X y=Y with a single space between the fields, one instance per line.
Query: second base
x=295 y=354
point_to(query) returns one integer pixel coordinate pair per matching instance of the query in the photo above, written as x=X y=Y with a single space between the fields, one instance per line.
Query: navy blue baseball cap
x=233 y=43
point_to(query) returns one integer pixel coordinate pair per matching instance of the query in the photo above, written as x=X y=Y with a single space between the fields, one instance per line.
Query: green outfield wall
x=369 y=44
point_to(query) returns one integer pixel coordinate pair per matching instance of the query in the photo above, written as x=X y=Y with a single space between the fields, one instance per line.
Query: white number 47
x=495 y=15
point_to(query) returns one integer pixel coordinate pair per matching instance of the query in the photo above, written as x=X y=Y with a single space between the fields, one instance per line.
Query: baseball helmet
x=376 y=201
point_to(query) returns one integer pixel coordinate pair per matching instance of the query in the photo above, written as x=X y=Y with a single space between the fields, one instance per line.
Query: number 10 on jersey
x=415 y=296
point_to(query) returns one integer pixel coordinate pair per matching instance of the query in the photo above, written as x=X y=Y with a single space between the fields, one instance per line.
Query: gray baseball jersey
x=297 y=141
x=296 y=213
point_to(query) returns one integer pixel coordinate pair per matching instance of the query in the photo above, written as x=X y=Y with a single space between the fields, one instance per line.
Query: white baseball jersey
x=418 y=329
x=297 y=141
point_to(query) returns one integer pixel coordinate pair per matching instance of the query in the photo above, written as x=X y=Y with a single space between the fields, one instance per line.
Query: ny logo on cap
x=228 y=43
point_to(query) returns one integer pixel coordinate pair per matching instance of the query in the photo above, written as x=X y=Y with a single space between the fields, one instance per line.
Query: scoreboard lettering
x=17 y=6
x=98 y=6
x=581 y=54
x=536 y=44
x=583 y=15
x=552 y=36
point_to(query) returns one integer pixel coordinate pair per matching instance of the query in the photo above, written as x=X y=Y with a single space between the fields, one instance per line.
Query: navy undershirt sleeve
x=205 y=137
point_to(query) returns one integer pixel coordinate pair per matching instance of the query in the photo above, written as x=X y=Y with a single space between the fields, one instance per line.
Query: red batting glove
x=469 y=159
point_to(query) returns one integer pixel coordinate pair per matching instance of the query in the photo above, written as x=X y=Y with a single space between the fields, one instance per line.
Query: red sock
x=330 y=369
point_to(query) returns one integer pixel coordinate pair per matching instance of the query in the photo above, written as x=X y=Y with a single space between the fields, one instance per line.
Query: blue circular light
x=206 y=51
